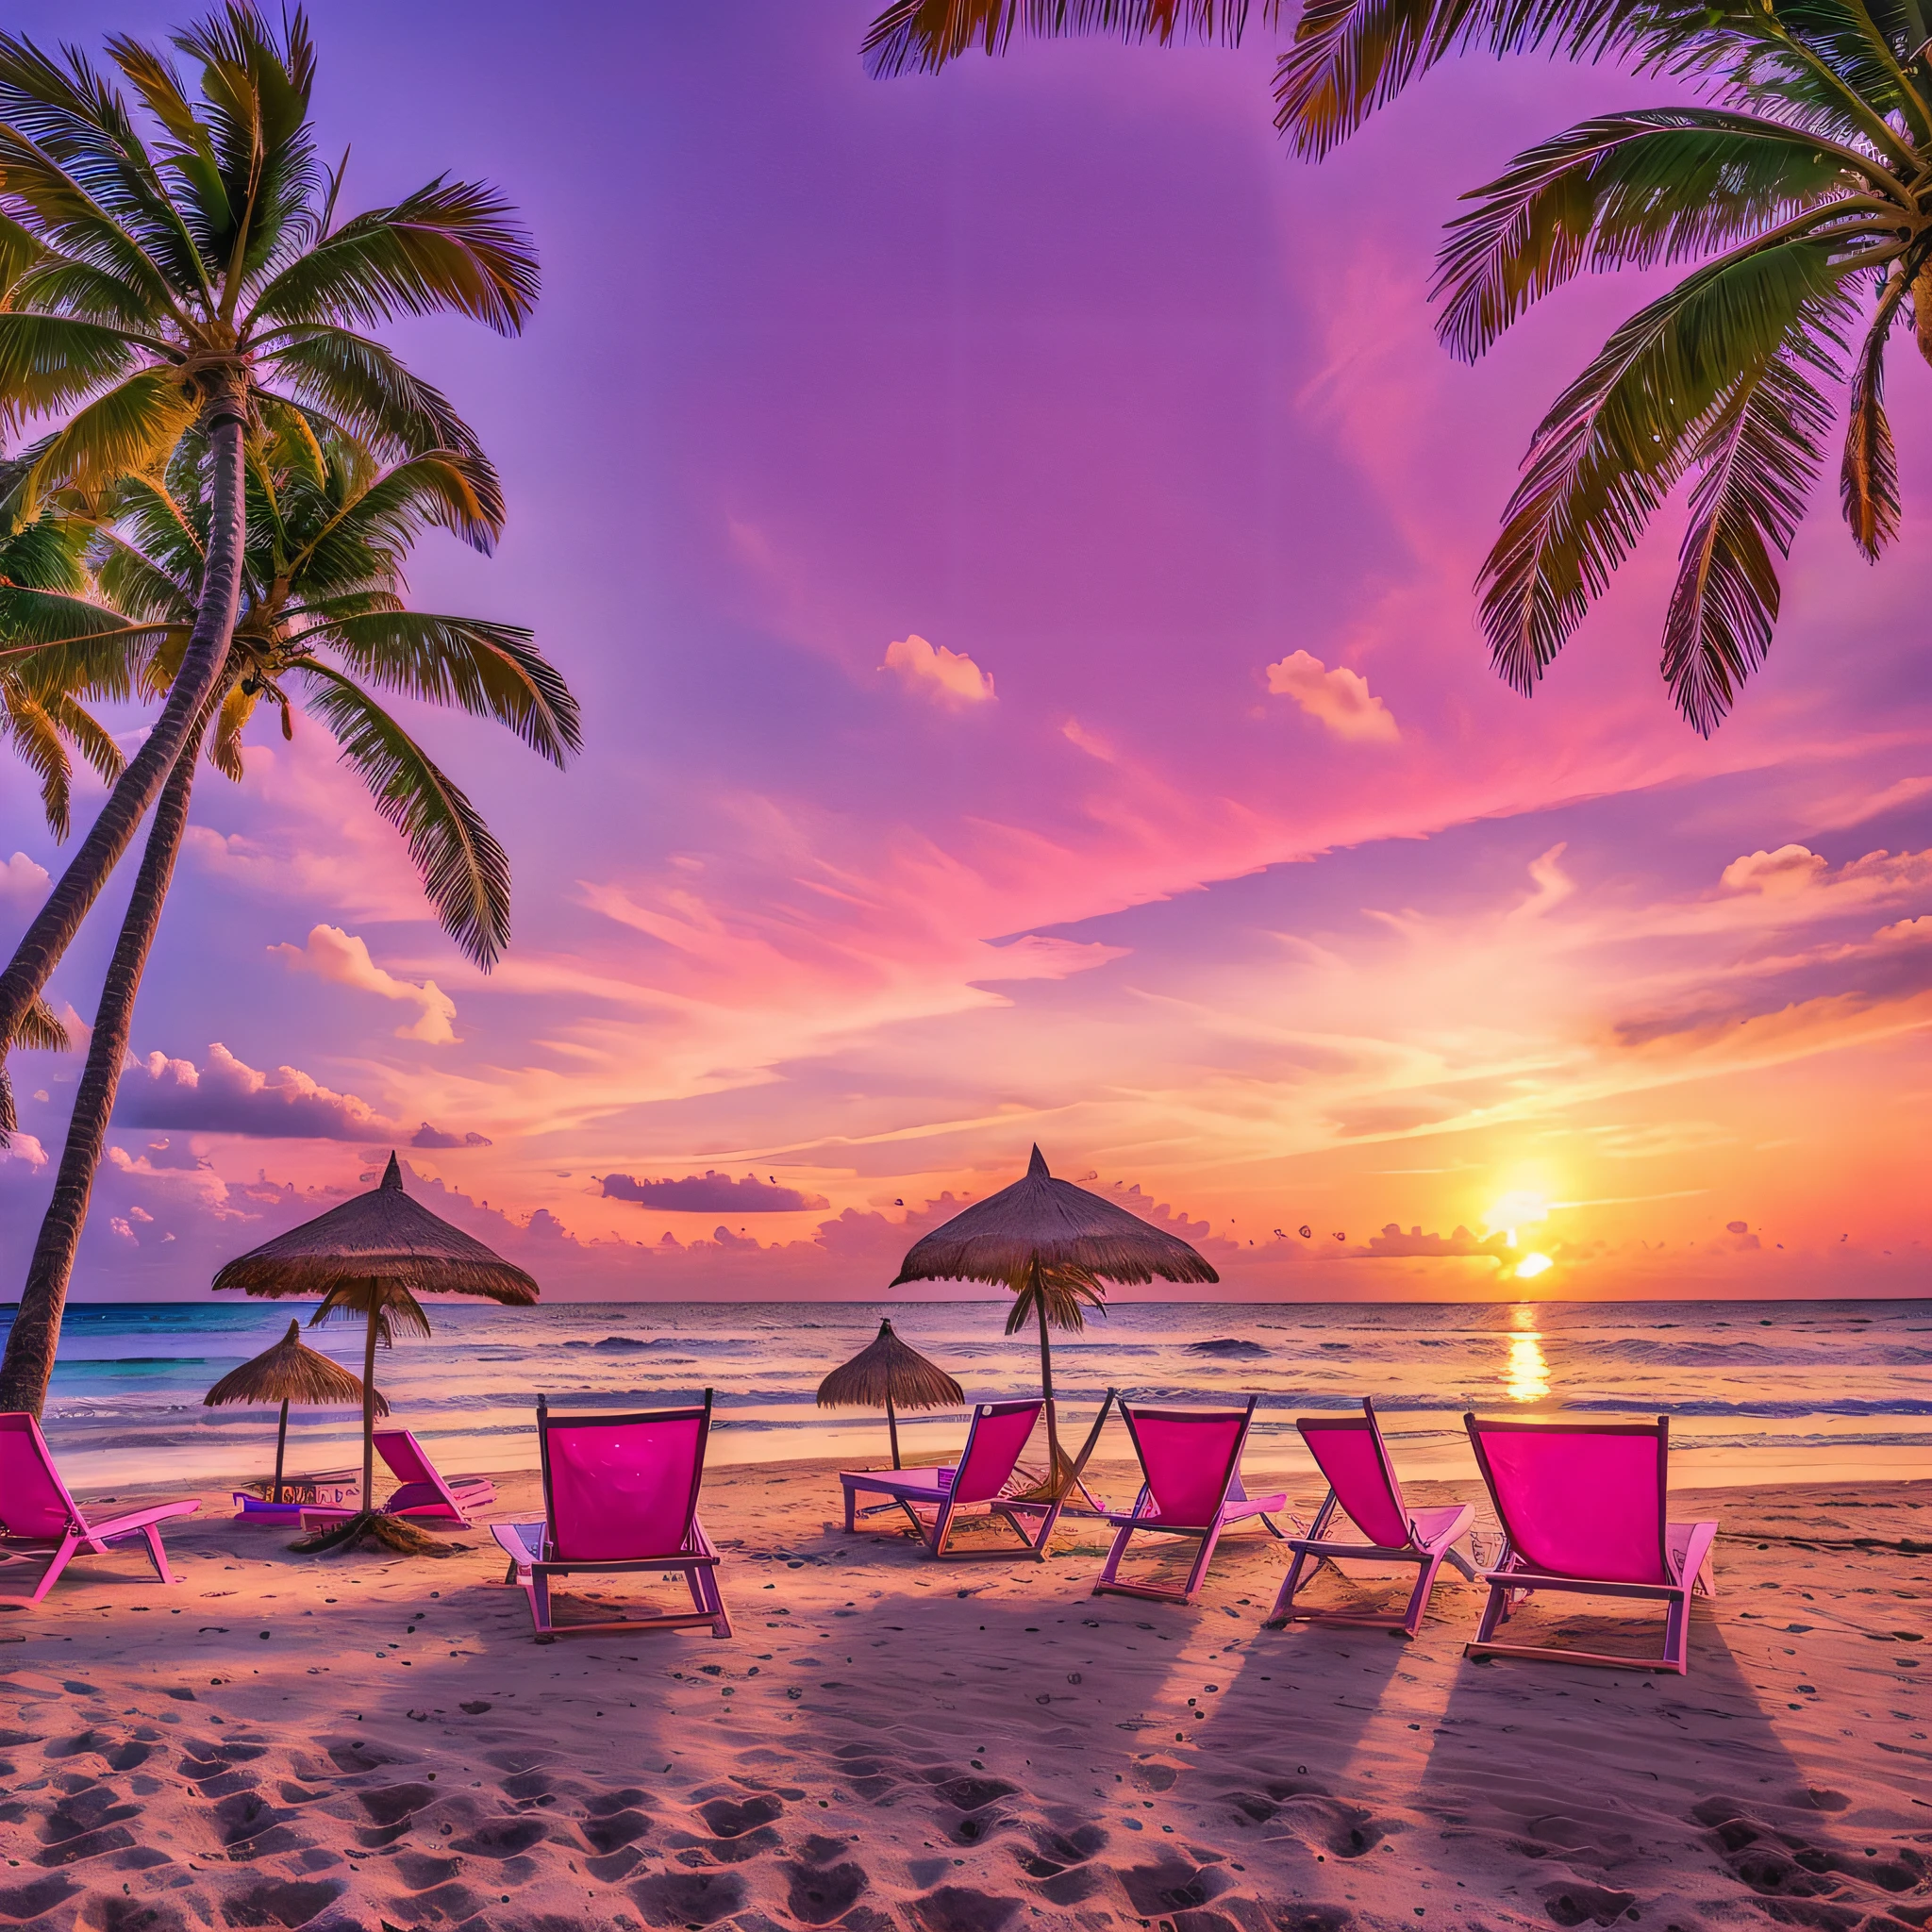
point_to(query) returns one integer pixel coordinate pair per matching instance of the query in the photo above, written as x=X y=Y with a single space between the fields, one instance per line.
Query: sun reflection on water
x=1529 y=1370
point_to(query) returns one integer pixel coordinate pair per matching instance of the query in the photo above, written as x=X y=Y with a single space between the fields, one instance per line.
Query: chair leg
x=539 y=1588
x=1494 y=1611
x=1419 y=1597
x=1201 y=1563
x=157 y=1554
x=942 y=1530
x=851 y=1510
x=1111 y=1567
x=1284 y=1600
x=57 y=1563
x=709 y=1599
x=1677 y=1633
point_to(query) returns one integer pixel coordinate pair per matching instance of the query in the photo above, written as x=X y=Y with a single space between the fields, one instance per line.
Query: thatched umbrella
x=290 y=1372
x=371 y=1257
x=886 y=1371
x=1052 y=1244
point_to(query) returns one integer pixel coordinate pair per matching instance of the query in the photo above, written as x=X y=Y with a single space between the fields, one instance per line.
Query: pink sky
x=1012 y=535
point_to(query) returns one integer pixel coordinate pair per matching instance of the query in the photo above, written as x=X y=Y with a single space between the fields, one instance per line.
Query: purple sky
x=1012 y=535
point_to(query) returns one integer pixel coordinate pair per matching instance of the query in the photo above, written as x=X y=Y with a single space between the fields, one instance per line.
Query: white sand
x=889 y=1741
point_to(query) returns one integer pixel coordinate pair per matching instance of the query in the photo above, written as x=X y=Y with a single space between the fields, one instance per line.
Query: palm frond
x=130 y=428
x=70 y=152
x=1758 y=455
x=1868 y=478
x=366 y=394
x=39 y=1031
x=1631 y=190
x=49 y=363
x=253 y=138
x=465 y=873
x=88 y=736
x=490 y=670
x=383 y=516
x=920 y=36
x=37 y=745
x=1618 y=438
x=451 y=246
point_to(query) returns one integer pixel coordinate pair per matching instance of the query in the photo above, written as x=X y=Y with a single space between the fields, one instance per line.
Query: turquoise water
x=1785 y=1391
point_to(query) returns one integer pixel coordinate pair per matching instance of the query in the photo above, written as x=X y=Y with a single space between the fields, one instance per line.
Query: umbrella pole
x=369 y=1410
x=893 y=1423
x=281 y=1443
x=1053 y=1430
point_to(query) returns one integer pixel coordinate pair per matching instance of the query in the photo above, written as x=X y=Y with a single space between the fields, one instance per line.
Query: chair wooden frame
x=530 y=1544
x=1236 y=1505
x=1684 y=1556
x=1432 y=1534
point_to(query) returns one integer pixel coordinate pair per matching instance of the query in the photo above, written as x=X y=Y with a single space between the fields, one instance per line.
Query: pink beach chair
x=1349 y=1450
x=1190 y=1464
x=1585 y=1507
x=37 y=1518
x=620 y=1493
x=422 y=1494
x=979 y=1485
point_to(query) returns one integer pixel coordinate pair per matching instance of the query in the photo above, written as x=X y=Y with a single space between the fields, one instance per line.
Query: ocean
x=1773 y=1392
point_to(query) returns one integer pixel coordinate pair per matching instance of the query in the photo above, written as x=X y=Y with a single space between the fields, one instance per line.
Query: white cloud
x=947 y=678
x=1789 y=870
x=1339 y=698
x=23 y=1148
x=21 y=878
x=344 y=959
x=227 y=1096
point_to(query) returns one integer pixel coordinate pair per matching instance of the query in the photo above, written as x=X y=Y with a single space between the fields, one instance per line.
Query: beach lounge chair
x=620 y=1494
x=1585 y=1508
x=337 y=1488
x=1349 y=1450
x=1190 y=1465
x=423 y=1495
x=981 y=1484
x=37 y=1518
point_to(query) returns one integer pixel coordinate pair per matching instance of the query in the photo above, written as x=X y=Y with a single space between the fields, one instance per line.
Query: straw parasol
x=1052 y=1244
x=290 y=1372
x=887 y=1371
x=371 y=1257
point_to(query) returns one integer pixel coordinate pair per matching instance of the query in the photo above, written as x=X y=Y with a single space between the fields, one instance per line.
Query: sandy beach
x=889 y=1741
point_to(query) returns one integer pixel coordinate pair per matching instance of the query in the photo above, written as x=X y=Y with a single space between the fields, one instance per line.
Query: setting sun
x=1531 y=1266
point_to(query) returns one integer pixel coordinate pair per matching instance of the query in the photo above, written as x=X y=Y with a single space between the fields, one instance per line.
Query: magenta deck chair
x=422 y=1494
x=980 y=1485
x=1349 y=1450
x=1585 y=1507
x=1191 y=1487
x=620 y=1493
x=37 y=1518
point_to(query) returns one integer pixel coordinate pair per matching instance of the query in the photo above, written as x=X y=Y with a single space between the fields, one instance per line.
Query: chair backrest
x=622 y=1488
x=33 y=1500
x=1349 y=1450
x=1188 y=1457
x=410 y=1464
x=994 y=1439
x=1580 y=1499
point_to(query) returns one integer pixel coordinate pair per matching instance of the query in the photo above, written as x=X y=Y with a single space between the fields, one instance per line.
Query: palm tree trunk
x=28 y=1363
x=1922 y=308
x=54 y=925
x=369 y=1405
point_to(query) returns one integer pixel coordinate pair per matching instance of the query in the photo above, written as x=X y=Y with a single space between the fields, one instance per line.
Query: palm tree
x=1803 y=189
x=183 y=270
x=320 y=617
